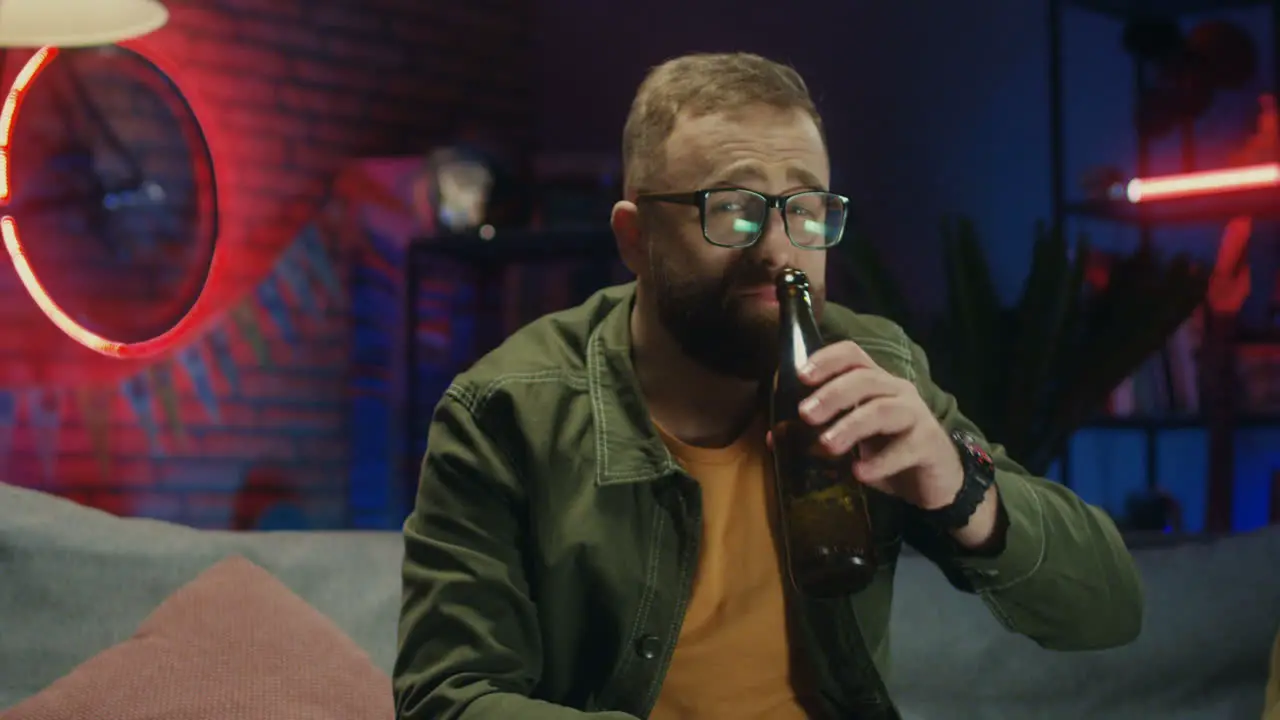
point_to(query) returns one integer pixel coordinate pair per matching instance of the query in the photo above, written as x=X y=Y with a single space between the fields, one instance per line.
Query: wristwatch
x=979 y=476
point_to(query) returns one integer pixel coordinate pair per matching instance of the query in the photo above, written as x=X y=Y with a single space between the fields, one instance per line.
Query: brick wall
x=293 y=88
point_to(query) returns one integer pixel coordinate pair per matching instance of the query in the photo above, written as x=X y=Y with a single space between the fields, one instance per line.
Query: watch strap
x=979 y=476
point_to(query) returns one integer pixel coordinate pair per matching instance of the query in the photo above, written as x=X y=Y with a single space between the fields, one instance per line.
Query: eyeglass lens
x=737 y=217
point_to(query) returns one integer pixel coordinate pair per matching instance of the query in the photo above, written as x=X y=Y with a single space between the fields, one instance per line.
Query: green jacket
x=551 y=552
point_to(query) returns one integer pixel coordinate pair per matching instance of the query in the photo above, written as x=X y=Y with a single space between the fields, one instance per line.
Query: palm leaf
x=863 y=269
x=1030 y=375
x=975 y=329
x=1043 y=316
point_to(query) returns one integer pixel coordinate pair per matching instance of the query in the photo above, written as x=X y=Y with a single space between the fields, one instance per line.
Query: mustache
x=752 y=275
x=748 y=275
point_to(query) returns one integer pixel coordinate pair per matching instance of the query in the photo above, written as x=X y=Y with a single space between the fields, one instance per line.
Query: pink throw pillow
x=233 y=644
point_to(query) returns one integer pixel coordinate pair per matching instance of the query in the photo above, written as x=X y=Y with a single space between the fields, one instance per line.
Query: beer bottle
x=823 y=514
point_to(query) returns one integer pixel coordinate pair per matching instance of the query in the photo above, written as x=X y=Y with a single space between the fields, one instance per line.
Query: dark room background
x=932 y=107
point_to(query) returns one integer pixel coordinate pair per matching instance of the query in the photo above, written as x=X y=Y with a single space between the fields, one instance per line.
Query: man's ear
x=625 y=221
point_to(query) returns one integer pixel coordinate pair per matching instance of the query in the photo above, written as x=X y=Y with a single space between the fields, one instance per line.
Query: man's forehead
x=706 y=131
x=700 y=146
x=753 y=171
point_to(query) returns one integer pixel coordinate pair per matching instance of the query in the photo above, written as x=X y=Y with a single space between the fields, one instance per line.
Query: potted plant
x=1030 y=374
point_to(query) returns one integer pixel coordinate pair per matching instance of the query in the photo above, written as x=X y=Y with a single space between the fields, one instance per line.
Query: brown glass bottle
x=823 y=514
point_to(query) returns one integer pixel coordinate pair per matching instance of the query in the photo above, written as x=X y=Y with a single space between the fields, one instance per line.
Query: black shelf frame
x=483 y=263
x=1151 y=429
x=1222 y=417
x=1125 y=9
x=1209 y=209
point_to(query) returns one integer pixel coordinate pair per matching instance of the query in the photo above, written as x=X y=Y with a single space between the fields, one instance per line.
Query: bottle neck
x=799 y=328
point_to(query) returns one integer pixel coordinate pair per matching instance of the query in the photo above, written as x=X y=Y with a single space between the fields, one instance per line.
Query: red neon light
x=77 y=332
x=21 y=83
x=13 y=239
x=1206 y=182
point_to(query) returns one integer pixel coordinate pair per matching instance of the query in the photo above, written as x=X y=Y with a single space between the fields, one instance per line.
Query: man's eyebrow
x=736 y=174
x=804 y=178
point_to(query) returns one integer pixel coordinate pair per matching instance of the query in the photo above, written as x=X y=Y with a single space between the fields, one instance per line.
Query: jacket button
x=648 y=647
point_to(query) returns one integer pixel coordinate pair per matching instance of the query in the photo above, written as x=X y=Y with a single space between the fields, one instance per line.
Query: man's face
x=719 y=303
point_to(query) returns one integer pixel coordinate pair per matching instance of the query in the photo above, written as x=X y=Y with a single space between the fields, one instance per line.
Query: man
x=592 y=538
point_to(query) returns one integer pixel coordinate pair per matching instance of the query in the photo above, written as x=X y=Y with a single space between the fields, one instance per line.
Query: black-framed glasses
x=737 y=218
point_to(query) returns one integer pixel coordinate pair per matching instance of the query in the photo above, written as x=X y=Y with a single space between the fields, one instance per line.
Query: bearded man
x=592 y=537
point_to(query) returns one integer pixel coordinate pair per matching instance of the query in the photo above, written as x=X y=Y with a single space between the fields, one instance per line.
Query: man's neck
x=693 y=404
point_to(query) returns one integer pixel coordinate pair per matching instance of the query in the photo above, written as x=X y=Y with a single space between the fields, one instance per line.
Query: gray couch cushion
x=75 y=581
x=1212 y=610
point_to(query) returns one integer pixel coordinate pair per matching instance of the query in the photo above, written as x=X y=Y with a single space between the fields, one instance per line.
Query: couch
x=1272 y=703
x=75 y=581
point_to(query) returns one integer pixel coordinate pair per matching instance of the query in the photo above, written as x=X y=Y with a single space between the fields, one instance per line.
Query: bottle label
x=823 y=481
x=801 y=462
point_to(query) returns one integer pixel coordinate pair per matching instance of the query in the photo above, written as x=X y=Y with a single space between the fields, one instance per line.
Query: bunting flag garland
x=304 y=281
x=220 y=347
x=162 y=384
x=138 y=394
x=95 y=412
x=247 y=323
x=435 y=316
x=273 y=302
x=382 y=256
x=8 y=419
x=44 y=410
x=294 y=278
x=191 y=358
x=311 y=245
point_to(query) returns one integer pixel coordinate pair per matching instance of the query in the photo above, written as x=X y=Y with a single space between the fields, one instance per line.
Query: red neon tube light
x=1204 y=182
x=12 y=238
x=9 y=226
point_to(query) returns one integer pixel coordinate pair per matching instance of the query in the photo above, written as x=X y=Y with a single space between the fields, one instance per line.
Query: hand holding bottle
x=904 y=450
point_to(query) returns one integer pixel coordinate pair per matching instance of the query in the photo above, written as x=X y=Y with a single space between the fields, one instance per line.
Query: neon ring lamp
x=107 y=183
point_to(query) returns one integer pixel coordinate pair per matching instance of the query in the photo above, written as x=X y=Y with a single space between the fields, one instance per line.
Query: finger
x=847 y=391
x=768 y=439
x=833 y=360
x=876 y=468
x=883 y=416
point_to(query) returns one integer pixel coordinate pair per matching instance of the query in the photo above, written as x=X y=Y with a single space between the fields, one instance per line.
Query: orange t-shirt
x=732 y=660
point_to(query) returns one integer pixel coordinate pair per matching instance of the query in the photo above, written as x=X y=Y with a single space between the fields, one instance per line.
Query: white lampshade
x=77 y=23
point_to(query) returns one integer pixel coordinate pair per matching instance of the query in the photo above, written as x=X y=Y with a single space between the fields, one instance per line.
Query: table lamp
x=77 y=23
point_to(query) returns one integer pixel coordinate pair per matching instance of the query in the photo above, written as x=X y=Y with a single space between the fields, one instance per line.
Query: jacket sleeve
x=469 y=642
x=1063 y=576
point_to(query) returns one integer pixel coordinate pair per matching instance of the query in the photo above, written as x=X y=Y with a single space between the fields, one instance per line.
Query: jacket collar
x=627 y=448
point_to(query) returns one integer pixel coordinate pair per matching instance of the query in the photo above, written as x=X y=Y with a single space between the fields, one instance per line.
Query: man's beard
x=715 y=324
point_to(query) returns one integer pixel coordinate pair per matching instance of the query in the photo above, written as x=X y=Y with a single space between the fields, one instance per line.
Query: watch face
x=113 y=192
x=984 y=466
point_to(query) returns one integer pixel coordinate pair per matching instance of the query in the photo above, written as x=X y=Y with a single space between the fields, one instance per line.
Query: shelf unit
x=1260 y=204
x=1124 y=10
x=484 y=265
x=1221 y=416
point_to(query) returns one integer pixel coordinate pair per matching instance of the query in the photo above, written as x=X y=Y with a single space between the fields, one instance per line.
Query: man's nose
x=774 y=248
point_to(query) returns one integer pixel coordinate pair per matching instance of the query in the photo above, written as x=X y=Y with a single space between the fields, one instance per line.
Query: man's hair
x=698 y=85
